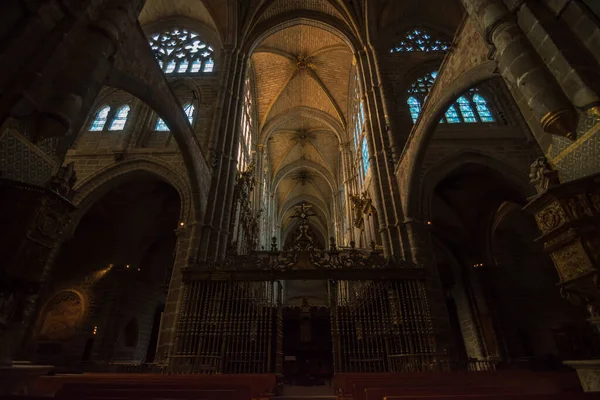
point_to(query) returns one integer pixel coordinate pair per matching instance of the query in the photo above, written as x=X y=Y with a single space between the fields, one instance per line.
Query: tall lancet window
x=359 y=129
x=120 y=119
x=100 y=120
x=245 y=143
x=181 y=51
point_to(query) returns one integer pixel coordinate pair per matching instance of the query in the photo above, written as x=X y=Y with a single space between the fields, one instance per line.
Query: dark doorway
x=307 y=346
x=151 y=353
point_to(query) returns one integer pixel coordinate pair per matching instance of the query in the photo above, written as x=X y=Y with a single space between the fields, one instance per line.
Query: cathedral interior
x=254 y=199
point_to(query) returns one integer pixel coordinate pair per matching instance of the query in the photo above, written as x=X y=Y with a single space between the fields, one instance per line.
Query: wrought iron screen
x=229 y=327
x=381 y=326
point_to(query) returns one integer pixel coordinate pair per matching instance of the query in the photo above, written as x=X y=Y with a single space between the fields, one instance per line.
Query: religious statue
x=542 y=176
x=64 y=180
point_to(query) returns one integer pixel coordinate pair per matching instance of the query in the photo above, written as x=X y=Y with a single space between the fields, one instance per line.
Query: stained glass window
x=466 y=110
x=181 y=51
x=120 y=119
x=365 y=156
x=452 y=115
x=415 y=108
x=420 y=40
x=469 y=108
x=188 y=109
x=100 y=119
x=483 y=110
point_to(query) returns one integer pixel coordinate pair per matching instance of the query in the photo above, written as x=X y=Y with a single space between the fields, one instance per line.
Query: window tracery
x=180 y=51
x=471 y=107
x=420 y=40
x=360 y=140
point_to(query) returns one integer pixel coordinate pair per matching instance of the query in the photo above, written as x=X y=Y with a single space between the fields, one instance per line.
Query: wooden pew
x=380 y=393
x=76 y=391
x=260 y=386
x=555 y=396
x=352 y=386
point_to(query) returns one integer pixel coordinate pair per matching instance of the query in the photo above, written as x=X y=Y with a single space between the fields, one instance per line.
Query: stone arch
x=296 y=112
x=429 y=119
x=97 y=185
x=319 y=169
x=299 y=17
x=420 y=199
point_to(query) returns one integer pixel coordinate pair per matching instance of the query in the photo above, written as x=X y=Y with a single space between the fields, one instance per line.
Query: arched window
x=188 y=109
x=415 y=108
x=120 y=119
x=452 y=116
x=469 y=108
x=483 y=110
x=466 y=110
x=421 y=40
x=365 y=157
x=180 y=51
x=100 y=120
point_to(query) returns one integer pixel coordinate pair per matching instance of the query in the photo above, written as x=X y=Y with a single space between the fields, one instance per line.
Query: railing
x=471 y=364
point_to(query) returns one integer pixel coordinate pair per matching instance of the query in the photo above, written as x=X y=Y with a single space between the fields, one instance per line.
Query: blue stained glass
x=365 y=157
x=452 y=116
x=120 y=119
x=196 y=66
x=209 y=65
x=189 y=111
x=483 y=110
x=466 y=110
x=171 y=67
x=161 y=126
x=415 y=108
x=100 y=119
x=183 y=67
x=417 y=40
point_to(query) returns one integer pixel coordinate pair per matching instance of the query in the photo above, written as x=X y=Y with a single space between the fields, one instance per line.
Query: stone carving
x=62 y=317
x=595 y=201
x=570 y=261
x=358 y=206
x=64 y=180
x=578 y=207
x=551 y=217
x=542 y=176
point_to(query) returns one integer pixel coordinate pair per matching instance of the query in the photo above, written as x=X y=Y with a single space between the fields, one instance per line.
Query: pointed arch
x=100 y=119
x=120 y=118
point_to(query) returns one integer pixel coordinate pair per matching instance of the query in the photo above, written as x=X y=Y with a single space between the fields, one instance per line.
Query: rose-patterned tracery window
x=180 y=51
x=420 y=40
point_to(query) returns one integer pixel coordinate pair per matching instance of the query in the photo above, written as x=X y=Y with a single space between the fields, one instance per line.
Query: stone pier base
x=588 y=372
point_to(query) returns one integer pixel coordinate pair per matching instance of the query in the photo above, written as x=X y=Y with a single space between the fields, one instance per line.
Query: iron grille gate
x=233 y=327
x=229 y=327
x=381 y=326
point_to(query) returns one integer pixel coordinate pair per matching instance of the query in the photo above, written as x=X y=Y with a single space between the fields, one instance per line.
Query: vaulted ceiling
x=301 y=84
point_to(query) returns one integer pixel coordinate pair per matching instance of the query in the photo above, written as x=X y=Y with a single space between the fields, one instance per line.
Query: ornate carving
x=570 y=261
x=64 y=180
x=578 y=207
x=542 y=176
x=551 y=217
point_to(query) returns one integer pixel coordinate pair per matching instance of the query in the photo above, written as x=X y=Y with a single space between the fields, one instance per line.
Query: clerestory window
x=471 y=107
x=421 y=40
x=181 y=51
x=117 y=119
x=188 y=109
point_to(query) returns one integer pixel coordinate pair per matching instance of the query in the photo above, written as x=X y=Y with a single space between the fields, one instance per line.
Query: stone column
x=573 y=67
x=568 y=216
x=385 y=188
x=520 y=65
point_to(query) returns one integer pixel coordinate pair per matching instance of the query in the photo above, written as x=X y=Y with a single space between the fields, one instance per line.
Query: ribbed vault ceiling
x=306 y=68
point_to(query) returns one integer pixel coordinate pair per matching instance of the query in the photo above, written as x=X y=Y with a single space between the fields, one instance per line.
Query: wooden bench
x=75 y=391
x=353 y=386
x=258 y=386
x=561 y=396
